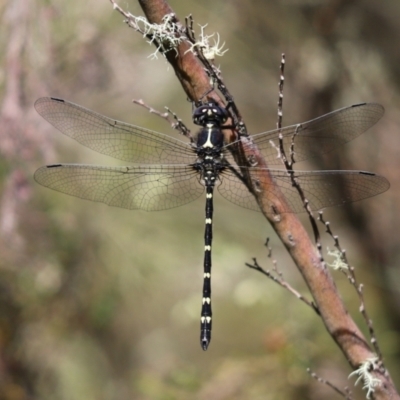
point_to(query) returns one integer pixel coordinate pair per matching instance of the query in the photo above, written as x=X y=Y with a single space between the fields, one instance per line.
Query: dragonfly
x=166 y=172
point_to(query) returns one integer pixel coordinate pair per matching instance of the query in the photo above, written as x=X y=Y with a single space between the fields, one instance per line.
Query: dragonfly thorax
x=209 y=169
x=211 y=117
x=210 y=137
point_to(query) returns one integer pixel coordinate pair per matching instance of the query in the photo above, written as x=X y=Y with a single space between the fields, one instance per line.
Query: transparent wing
x=114 y=138
x=149 y=188
x=321 y=188
x=322 y=134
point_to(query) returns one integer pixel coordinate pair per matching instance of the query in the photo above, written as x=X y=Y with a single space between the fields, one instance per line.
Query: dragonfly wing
x=149 y=188
x=114 y=138
x=233 y=189
x=321 y=188
x=320 y=135
x=329 y=188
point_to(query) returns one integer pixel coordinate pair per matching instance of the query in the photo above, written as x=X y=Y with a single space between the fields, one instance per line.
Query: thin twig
x=280 y=100
x=278 y=278
x=176 y=123
x=349 y=272
x=288 y=162
x=346 y=393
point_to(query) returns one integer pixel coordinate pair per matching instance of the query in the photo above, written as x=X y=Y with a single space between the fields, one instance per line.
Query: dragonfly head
x=210 y=113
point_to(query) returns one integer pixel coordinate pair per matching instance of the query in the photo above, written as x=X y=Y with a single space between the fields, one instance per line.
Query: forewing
x=320 y=135
x=149 y=188
x=113 y=138
x=321 y=188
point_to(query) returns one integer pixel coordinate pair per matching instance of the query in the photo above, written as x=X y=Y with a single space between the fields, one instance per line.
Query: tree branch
x=340 y=325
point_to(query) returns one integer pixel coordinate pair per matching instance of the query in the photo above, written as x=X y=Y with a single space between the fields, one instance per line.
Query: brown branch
x=187 y=67
x=338 y=322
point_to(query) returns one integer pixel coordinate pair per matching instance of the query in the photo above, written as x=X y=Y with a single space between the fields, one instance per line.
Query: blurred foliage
x=102 y=303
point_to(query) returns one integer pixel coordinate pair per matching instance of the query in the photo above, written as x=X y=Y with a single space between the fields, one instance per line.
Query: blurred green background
x=104 y=303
